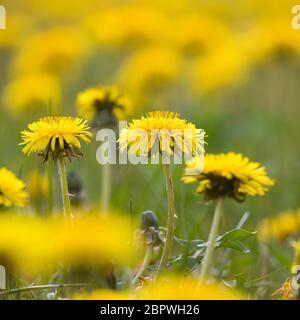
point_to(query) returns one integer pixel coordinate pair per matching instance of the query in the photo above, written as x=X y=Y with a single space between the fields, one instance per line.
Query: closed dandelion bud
x=148 y=220
x=150 y=227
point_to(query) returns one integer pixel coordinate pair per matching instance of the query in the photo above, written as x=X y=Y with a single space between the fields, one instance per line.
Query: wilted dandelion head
x=11 y=190
x=280 y=227
x=229 y=175
x=56 y=135
x=104 y=106
x=29 y=93
x=162 y=132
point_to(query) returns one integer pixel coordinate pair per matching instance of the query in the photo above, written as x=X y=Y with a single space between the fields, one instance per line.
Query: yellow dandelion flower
x=149 y=71
x=56 y=50
x=169 y=288
x=225 y=66
x=127 y=26
x=11 y=190
x=103 y=105
x=33 y=92
x=162 y=132
x=230 y=175
x=56 y=135
x=280 y=227
x=36 y=244
x=196 y=34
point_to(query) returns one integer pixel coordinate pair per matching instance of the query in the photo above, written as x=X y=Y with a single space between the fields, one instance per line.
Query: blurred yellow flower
x=56 y=135
x=272 y=38
x=166 y=132
x=127 y=26
x=35 y=244
x=149 y=70
x=32 y=92
x=225 y=66
x=12 y=191
x=57 y=50
x=280 y=227
x=169 y=288
x=38 y=185
x=197 y=34
x=103 y=105
x=229 y=175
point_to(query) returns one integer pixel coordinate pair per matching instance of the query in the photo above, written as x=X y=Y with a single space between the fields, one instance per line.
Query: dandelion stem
x=145 y=263
x=105 y=187
x=64 y=188
x=207 y=260
x=50 y=190
x=170 y=223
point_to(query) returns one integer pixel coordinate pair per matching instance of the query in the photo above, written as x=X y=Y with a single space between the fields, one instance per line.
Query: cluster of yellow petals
x=12 y=191
x=280 y=227
x=166 y=129
x=50 y=131
x=230 y=174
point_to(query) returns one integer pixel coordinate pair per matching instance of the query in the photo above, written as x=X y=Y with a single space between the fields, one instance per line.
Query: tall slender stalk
x=105 y=187
x=145 y=263
x=208 y=258
x=171 y=219
x=50 y=187
x=64 y=188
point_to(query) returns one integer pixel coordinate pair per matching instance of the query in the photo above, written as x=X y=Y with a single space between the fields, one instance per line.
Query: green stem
x=50 y=187
x=42 y=287
x=145 y=263
x=105 y=187
x=207 y=260
x=171 y=219
x=64 y=188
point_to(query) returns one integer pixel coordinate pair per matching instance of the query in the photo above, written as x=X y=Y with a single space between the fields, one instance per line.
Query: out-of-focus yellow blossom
x=104 y=106
x=149 y=70
x=275 y=38
x=196 y=34
x=169 y=288
x=57 y=50
x=16 y=26
x=38 y=185
x=35 y=244
x=12 y=191
x=56 y=135
x=32 y=93
x=229 y=175
x=225 y=66
x=127 y=26
x=280 y=227
x=164 y=130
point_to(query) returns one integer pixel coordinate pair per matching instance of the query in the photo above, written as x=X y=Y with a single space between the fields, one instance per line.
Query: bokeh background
x=230 y=67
